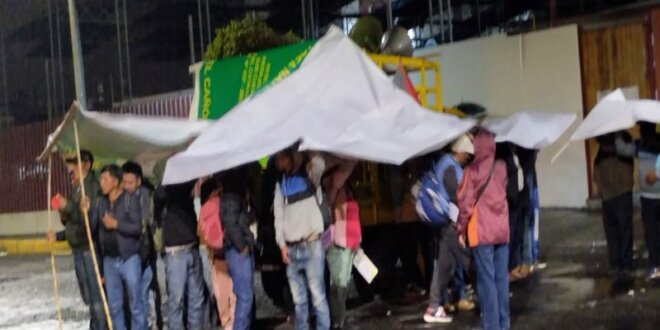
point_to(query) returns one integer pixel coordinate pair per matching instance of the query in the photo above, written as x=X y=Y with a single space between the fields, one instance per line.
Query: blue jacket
x=126 y=239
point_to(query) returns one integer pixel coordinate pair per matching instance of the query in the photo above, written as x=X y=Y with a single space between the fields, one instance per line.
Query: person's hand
x=285 y=254
x=51 y=237
x=84 y=204
x=109 y=221
x=650 y=177
x=461 y=240
x=62 y=202
x=246 y=250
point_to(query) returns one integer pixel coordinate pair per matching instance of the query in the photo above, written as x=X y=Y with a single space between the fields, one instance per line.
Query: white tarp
x=143 y=139
x=531 y=130
x=337 y=101
x=614 y=113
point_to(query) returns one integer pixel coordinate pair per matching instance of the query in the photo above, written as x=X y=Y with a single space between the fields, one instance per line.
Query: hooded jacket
x=483 y=210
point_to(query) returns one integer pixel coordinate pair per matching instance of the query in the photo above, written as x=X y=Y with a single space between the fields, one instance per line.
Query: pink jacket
x=486 y=220
x=346 y=230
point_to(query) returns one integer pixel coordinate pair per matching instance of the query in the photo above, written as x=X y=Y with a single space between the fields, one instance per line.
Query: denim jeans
x=651 y=220
x=183 y=270
x=123 y=274
x=493 y=285
x=149 y=282
x=306 y=272
x=241 y=270
x=89 y=288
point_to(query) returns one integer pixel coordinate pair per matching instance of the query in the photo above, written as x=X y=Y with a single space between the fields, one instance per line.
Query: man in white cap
x=448 y=171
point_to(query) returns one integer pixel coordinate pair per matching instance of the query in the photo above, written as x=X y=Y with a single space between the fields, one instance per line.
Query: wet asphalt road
x=573 y=292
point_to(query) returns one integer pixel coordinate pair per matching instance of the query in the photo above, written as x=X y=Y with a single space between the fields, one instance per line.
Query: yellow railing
x=371 y=180
x=424 y=67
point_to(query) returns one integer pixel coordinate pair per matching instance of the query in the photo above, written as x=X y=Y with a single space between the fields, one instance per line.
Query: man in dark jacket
x=174 y=212
x=71 y=215
x=239 y=241
x=117 y=218
x=133 y=183
x=613 y=173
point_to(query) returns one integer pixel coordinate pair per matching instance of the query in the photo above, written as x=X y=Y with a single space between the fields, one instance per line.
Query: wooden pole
x=52 y=254
x=89 y=231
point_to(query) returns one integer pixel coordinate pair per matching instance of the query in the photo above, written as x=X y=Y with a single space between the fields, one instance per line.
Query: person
x=71 y=215
x=614 y=176
x=647 y=155
x=174 y=213
x=404 y=235
x=449 y=173
x=223 y=288
x=298 y=229
x=483 y=222
x=531 y=240
x=344 y=240
x=517 y=205
x=238 y=242
x=133 y=183
x=522 y=200
x=118 y=221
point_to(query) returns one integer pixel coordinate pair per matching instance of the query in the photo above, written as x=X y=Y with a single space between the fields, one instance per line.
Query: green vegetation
x=245 y=36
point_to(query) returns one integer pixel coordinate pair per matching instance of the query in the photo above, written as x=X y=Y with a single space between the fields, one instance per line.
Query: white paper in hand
x=364 y=266
x=453 y=212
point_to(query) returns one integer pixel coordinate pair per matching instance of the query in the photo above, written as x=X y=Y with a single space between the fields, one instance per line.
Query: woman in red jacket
x=484 y=222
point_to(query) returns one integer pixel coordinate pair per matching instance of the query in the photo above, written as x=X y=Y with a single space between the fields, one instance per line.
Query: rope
x=89 y=232
x=52 y=253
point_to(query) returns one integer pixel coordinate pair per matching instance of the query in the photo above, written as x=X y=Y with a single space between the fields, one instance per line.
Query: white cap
x=463 y=144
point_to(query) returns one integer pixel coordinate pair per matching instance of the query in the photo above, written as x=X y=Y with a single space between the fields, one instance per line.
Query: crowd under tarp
x=338 y=101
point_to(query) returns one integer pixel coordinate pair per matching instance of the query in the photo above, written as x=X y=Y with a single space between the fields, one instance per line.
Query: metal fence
x=176 y=104
x=23 y=179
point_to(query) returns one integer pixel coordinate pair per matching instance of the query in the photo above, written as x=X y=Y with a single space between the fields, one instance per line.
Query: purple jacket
x=484 y=218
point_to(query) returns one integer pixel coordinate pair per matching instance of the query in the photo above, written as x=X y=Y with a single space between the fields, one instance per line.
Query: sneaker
x=653 y=274
x=465 y=305
x=449 y=308
x=436 y=316
x=524 y=271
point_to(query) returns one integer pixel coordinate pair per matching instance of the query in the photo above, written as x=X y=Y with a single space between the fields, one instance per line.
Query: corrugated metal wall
x=23 y=179
x=613 y=57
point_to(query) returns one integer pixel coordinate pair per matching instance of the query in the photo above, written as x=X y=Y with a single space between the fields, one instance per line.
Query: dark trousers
x=407 y=238
x=617 y=221
x=449 y=255
x=651 y=220
x=516 y=234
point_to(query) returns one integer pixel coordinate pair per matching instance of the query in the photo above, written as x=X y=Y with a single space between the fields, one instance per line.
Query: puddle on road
x=566 y=286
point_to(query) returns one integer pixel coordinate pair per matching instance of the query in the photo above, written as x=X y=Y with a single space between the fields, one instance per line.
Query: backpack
x=209 y=225
x=148 y=241
x=431 y=200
